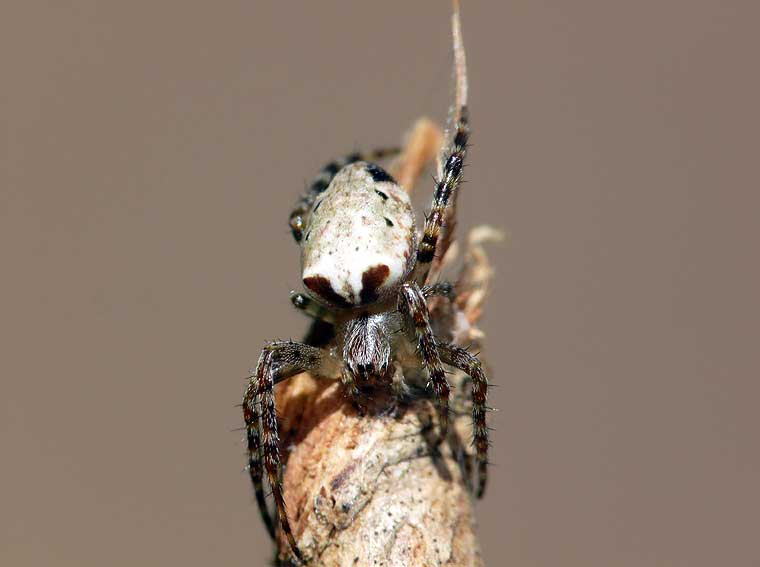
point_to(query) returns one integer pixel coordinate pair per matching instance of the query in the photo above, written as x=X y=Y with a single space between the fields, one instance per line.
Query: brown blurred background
x=151 y=152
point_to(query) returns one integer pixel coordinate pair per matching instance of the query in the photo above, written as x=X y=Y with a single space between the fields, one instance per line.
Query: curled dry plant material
x=365 y=445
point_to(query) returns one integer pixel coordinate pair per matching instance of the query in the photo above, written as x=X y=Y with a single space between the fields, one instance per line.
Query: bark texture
x=375 y=489
x=364 y=490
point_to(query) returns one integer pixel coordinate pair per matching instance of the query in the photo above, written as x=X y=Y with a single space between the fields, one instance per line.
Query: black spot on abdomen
x=372 y=279
x=379 y=174
x=331 y=168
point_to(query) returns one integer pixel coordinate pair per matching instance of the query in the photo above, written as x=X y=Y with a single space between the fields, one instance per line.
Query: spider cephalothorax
x=365 y=271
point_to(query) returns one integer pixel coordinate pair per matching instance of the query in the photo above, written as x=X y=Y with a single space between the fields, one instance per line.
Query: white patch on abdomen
x=359 y=239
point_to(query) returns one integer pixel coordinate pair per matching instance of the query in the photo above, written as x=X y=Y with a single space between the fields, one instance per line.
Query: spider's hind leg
x=443 y=198
x=439 y=225
x=279 y=360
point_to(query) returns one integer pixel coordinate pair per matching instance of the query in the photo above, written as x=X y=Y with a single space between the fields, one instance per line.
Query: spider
x=365 y=271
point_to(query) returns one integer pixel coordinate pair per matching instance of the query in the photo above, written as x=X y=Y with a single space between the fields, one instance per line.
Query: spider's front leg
x=414 y=308
x=279 y=360
x=311 y=308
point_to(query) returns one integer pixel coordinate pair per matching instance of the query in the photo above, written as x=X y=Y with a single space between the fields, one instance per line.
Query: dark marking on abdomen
x=372 y=279
x=379 y=174
x=322 y=287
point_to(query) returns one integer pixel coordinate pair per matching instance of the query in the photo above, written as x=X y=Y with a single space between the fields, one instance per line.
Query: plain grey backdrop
x=150 y=154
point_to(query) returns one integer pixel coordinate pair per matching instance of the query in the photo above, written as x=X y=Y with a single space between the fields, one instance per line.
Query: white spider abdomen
x=359 y=239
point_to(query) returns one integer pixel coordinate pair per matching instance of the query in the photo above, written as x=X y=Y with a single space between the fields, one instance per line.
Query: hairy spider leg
x=322 y=181
x=446 y=186
x=311 y=308
x=251 y=405
x=413 y=306
x=440 y=289
x=441 y=220
x=278 y=361
x=458 y=357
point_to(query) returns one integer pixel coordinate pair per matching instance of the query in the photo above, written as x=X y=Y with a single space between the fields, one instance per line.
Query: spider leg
x=440 y=289
x=413 y=306
x=252 y=418
x=458 y=357
x=301 y=209
x=279 y=360
x=440 y=222
x=445 y=189
x=311 y=308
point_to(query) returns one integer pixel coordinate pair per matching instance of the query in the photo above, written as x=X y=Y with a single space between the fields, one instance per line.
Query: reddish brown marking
x=372 y=279
x=322 y=287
